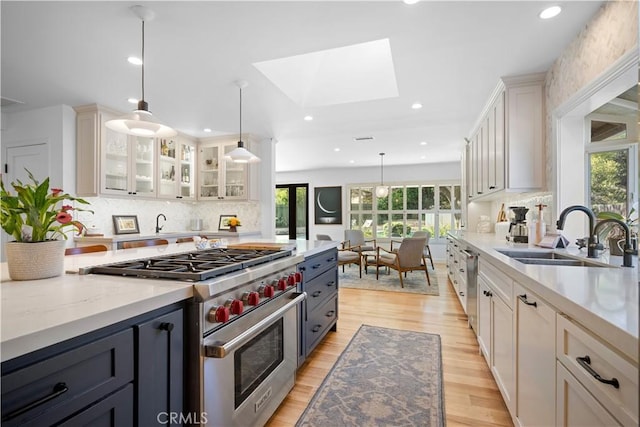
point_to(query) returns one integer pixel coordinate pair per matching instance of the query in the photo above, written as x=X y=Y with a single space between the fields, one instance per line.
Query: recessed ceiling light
x=336 y=149
x=423 y=143
x=134 y=60
x=207 y=130
x=416 y=105
x=352 y=161
x=132 y=100
x=423 y=157
x=410 y=1
x=550 y=12
x=308 y=118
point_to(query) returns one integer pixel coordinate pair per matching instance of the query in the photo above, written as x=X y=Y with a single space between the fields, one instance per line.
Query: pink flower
x=63 y=217
x=56 y=191
x=66 y=208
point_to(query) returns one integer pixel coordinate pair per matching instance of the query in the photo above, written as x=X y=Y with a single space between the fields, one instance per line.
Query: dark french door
x=292 y=211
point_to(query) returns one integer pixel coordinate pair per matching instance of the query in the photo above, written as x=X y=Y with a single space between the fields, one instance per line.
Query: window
x=612 y=162
x=436 y=208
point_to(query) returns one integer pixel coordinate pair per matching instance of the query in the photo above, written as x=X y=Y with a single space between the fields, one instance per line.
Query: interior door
x=292 y=211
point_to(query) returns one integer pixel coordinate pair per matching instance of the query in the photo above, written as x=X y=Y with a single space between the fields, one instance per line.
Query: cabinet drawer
x=500 y=282
x=319 y=321
x=574 y=342
x=116 y=410
x=313 y=266
x=66 y=383
x=321 y=288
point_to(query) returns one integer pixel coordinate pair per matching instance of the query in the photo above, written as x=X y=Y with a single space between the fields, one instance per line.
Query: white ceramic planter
x=38 y=260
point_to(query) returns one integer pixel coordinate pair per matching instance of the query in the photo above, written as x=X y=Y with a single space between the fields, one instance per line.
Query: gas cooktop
x=192 y=266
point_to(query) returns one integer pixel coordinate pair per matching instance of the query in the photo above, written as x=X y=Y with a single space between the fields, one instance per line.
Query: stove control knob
x=291 y=280
x=235 y=306
x=298 y=277
x=218 y=314
x=266 y=291
x=282 y=284
x=251 y=298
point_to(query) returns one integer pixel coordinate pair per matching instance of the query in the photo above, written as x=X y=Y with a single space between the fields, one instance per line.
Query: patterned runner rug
x=385 y=377
x=414 y=283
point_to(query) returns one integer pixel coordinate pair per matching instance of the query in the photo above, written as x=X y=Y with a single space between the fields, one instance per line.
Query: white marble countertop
x=604 y=300
x=39 y=313
x=167 y=235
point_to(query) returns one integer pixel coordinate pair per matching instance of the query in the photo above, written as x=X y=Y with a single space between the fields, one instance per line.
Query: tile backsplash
x=179 y=214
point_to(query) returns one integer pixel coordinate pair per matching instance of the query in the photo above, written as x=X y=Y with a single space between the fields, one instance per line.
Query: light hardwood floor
x=471 y=395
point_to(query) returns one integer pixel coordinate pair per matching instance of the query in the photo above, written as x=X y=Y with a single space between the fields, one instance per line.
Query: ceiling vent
x=363 y=138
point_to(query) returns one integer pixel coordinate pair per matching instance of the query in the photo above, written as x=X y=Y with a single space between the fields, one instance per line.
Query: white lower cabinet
x=484 y=318
x=535 y=361
x=502 y=349
x=576 y=406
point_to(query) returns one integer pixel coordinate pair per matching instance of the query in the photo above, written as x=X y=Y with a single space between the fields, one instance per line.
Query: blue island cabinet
x=127 y=374
x=319 y=312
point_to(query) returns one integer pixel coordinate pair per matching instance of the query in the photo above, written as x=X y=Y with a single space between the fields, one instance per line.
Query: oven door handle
x=221 y=349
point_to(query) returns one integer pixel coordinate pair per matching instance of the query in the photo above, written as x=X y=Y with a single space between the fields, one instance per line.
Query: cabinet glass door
x=143 y=166
x=209 y=172
x=187 y=162
x=234 y=177
x=116 y=162
x=167 y=167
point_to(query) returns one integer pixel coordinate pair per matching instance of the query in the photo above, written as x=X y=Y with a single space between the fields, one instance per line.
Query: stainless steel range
x=245 y=322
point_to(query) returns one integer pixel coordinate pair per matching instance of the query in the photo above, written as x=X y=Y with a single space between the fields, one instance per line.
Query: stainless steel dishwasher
x=471 y=267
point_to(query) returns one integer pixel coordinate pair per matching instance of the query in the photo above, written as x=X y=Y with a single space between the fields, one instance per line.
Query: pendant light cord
x=381 y=169
x=240 y=136
x=143 y=60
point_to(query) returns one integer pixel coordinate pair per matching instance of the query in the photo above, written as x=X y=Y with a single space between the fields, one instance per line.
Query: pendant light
x=241 y=154
x=141 y=122
x=382 y=190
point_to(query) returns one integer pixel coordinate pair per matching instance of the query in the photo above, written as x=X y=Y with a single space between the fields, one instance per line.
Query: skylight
x=360 y=72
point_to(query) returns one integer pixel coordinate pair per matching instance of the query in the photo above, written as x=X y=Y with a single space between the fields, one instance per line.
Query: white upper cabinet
x=219 y=179
x=507 y=143
x=176 y=168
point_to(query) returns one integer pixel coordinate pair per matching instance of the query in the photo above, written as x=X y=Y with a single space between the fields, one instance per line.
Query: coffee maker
x=518 y=230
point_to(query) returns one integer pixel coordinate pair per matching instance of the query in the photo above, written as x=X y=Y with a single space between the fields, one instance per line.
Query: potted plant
x=36 y=219
x=614 y=234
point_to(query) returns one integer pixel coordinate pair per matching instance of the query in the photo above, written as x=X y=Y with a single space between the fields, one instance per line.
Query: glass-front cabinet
x=176 y=168
x=218 y=178
x=129 y=165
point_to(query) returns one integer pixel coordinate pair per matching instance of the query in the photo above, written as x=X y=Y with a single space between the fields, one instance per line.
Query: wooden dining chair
x=143 y=243
x=85 y=249
x=184 y=239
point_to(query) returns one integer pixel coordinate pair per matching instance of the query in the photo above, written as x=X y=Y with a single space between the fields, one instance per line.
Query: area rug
x=385 y=377
x=414 y=283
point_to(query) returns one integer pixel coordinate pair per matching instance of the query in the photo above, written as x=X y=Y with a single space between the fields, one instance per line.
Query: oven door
x=249 y=366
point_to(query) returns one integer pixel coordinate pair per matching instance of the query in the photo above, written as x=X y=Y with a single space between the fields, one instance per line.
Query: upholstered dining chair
x=427 y=249
x=85 y=249
x=356 y=238
x=143 y=243
x=349 y=255
x=408 y=257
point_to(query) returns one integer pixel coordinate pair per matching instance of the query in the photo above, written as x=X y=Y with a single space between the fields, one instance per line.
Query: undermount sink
x=549 y=258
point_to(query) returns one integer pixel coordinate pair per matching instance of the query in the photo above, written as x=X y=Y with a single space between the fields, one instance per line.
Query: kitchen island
x=39 y=313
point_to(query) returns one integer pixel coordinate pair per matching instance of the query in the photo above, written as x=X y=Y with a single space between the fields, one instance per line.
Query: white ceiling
x=447 y=55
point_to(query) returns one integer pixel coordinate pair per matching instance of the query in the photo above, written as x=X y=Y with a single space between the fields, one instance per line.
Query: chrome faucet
x=158 y=228
x=628 y=249
x=593 y=245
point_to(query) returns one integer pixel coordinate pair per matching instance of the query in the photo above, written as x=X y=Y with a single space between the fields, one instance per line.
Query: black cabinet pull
x=316 y=266
x=487 y=293
x=316 y=294
x=492 y=187
x=58 y=389
x=585 y=362
x=166 y=326
x=316 y=328
x=330 y=313
x=523 y=298
x=461 y=293
x=331 y=283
